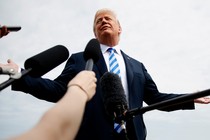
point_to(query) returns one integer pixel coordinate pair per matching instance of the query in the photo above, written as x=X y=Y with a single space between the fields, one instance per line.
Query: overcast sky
x=171 y=38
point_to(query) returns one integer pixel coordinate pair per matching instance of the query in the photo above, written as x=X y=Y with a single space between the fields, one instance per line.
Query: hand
x=10 y=65
x=86 y=80
x=203 y=100
x=3 y=31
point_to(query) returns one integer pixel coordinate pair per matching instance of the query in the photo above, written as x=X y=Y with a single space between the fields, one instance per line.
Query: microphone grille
x=92 y=50
x=113 y=94
x=47 y=60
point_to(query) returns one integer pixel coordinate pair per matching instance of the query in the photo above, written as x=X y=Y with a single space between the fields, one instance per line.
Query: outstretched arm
x=62 y=121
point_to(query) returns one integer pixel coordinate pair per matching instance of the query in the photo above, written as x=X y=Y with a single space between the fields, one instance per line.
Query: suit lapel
x=101 y=65
x=129 y=70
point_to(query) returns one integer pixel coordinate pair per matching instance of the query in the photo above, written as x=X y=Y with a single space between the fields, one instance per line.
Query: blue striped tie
x=113 y=64
x=114 y=68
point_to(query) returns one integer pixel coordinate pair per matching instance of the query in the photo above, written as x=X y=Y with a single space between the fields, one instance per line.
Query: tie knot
x=111 y=50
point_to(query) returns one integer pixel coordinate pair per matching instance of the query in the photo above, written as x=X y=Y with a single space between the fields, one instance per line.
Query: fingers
x=10 y=65
x=1 y=64
x=206 y=100
x=4 y=31
x=9 y=61
x=203 y=100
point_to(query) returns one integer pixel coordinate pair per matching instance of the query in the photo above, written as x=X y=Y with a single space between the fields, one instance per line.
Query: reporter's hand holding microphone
x=5 y=30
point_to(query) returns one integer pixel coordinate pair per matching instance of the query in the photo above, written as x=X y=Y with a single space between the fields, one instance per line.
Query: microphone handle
x=89 y=65
x=167 y=103
x=12 y=28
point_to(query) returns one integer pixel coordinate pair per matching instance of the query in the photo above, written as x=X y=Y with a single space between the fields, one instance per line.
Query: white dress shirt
x=121 y=63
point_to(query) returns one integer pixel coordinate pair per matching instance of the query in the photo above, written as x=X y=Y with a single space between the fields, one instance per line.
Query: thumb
x=10 y=61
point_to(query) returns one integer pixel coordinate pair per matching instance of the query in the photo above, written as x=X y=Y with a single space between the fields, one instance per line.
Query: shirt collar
x=105 y=47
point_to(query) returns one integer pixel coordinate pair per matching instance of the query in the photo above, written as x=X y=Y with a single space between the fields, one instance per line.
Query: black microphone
x=167 y=103
x=41 y=63
x=91 y=53
x=45 y=61
x=12 y=28
x=115 y=102
x=113 y=94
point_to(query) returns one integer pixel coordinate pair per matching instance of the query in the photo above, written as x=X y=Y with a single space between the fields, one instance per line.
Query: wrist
x=81 y=89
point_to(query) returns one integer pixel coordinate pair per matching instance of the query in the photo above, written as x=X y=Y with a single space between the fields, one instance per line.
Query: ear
x=120 y=28
x=94 y=31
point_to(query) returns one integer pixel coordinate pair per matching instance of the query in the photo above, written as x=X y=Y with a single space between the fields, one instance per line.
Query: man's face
x=106 y=24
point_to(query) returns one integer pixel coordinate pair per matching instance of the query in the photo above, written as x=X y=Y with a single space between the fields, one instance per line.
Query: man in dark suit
x=137 y=83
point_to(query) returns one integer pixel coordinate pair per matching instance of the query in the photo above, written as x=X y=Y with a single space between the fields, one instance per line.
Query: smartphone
x=13 y=28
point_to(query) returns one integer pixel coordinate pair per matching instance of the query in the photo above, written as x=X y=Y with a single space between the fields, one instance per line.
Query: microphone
x=45 y=61
x=113 y=94
x=41 y=63
x=12 y=28
x=91 y=53
x=115 y=102
x=167 y=103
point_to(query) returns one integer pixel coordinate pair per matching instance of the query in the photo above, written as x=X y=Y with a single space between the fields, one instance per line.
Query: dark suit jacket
x=96 y=124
